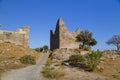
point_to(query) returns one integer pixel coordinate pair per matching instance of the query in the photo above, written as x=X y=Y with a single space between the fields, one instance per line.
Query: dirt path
x=28 y=73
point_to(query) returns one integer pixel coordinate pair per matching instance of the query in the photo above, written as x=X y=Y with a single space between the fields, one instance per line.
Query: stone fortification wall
x=62 y=38
x=19 y=37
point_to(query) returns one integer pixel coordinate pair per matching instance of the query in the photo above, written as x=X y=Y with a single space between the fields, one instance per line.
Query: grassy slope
x=10 y=55
x=111 y=68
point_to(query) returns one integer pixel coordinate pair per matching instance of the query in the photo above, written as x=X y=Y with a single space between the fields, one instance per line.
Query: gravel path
x=28 y=73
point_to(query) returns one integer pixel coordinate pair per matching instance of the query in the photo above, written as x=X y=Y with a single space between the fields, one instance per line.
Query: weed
x=48 y=63
x=50 y=73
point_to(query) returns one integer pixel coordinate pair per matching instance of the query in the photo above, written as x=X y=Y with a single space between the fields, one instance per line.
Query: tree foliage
x=115 y=40
x=45 y=48
x=85 y=38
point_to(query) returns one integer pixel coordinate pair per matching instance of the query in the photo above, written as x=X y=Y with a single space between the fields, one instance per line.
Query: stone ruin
x=19 y=37
x=62 y=38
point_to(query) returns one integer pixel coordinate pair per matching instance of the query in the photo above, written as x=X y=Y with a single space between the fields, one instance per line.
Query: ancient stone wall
x=62 y=38
x=19 y=37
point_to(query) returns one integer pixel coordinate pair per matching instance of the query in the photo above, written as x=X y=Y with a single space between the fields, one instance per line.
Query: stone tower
x=62 y=38
x=18 y=37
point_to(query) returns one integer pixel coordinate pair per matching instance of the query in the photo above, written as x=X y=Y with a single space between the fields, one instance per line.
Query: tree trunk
x=118 y=47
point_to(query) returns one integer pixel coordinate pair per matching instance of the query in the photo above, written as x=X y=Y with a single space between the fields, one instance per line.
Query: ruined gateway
x=19 y=37
x=62 y=38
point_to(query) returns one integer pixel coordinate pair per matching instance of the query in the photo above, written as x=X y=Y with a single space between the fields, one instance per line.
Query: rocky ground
x=108 y=69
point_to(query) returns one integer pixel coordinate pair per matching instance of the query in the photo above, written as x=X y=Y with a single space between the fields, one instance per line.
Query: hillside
x=10 y=55
x=108 y=69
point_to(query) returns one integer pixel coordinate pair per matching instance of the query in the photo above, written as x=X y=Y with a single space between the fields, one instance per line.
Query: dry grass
x=111 y=68
x=52 y=73
x=10 y=55
x=15 y=52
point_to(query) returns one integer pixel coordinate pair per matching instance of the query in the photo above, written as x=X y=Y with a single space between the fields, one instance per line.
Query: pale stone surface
x=62 y=38
x=19 y=37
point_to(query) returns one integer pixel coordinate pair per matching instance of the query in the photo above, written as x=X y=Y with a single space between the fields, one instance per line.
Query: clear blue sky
x=102 y=17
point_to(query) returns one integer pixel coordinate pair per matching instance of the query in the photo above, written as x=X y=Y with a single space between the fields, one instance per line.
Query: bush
x=49 y=73
x=74 y=59
x=28 y=59
x=93 y=59
x=37 y=49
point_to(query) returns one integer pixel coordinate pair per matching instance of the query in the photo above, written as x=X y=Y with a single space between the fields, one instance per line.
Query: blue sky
x=101 y=17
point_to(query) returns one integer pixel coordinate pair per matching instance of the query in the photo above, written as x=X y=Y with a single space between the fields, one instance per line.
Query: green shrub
x=37 y=49
x=93 y=59
x=28 y=59
x=74 y=59
x=49 y=73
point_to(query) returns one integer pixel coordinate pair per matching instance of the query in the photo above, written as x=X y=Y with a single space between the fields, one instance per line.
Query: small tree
x=85 y=38
x=45 y=48
x=115 y=40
